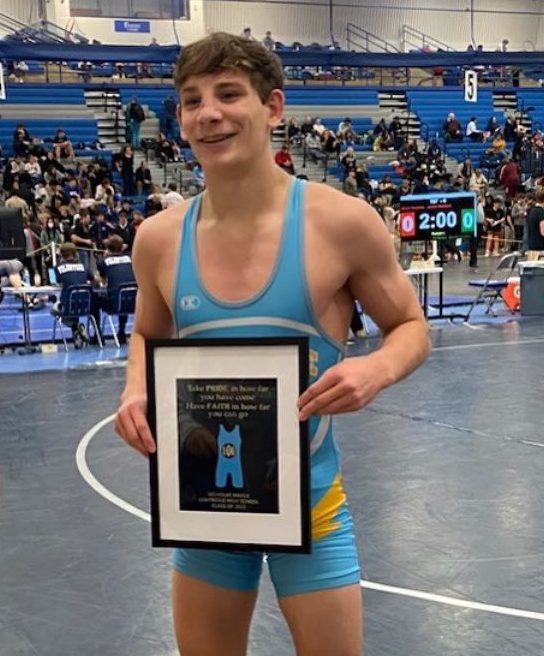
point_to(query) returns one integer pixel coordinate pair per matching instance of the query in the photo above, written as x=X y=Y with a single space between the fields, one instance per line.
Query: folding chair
x=123 y=304
x=490 y=288
x=79 y=304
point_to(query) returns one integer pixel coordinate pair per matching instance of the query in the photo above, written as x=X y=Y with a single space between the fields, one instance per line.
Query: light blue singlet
x=282 y=307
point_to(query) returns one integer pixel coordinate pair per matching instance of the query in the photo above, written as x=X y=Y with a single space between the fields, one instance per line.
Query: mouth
x=216 y=138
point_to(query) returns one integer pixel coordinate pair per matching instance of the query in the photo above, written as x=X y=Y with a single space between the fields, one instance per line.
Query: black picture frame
x=213 y=484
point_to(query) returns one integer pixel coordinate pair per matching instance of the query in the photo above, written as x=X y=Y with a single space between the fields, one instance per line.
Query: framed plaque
x=231 y=469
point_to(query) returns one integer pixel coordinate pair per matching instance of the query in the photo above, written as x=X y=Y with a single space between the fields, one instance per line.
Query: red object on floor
x=511 y=293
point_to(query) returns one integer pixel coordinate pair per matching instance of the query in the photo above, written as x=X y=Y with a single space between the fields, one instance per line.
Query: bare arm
x=153 y=319
x=388 y=296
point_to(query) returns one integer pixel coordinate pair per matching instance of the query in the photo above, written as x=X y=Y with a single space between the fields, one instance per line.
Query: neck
x=244 y=193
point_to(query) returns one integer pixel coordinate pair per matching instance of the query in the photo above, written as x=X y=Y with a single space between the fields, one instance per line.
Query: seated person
x=71 y=272
x=452 y=128
x=313 y=148
x=11 y=269
x=62 y=145
x=114 y=269
x=294 y=135
x=472 y=131
x=21 y=140
x=284 y=160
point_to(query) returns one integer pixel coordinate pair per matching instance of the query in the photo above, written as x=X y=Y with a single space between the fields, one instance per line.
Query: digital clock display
x=438 y=216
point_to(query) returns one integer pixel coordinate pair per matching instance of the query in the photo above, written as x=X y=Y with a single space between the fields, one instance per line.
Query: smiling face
x=224 y=119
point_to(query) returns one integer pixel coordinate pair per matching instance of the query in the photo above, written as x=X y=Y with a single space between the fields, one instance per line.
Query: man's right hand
x=131 y=424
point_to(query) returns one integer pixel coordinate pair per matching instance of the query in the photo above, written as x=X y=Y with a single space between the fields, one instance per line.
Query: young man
x=71 y=272
x=261 y=237
x=114 y=270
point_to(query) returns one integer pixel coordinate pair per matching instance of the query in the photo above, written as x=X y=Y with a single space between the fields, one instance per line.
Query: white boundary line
x=452 y=601
x=90 y=479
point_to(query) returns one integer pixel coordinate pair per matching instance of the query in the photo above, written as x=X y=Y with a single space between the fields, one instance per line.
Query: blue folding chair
x=124 y=303
x=79 y=304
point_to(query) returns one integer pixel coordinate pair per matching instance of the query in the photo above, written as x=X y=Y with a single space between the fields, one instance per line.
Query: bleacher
x=530 y=100
x=433 y=105
x=78 y=131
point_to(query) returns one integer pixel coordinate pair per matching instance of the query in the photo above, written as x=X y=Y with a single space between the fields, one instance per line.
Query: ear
x=275 y=106
x=178 y=116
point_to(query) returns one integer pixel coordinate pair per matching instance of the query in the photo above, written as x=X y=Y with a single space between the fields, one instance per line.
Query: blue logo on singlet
x=189 y=302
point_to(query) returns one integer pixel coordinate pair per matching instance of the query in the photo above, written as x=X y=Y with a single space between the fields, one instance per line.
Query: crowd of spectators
x=65 y=199
x=504 y=195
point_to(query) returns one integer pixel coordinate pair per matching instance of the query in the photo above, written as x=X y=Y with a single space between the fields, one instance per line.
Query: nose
x=209 y=111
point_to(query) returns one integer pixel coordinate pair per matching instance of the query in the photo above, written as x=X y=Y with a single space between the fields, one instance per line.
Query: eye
x=230 y=95
x=190 y=102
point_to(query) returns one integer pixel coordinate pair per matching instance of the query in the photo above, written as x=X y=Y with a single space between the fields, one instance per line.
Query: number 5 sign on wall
x=471 y=86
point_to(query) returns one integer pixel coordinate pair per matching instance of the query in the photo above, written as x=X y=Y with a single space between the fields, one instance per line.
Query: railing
x=415 y=39
x=23 y=32
x=59 y=33
x=364 y=41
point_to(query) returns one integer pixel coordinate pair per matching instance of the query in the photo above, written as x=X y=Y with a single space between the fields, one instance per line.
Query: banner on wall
x=133 y=26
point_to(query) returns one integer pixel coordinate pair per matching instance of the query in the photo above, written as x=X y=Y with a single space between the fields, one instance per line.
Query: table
x=421 y=279
x=24 y=292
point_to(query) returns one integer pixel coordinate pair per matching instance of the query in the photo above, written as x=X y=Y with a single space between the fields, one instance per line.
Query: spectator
x=82 y=239
x=464 y=172
x=125 y=165
x=452 y=129
x=284 y=160
x=395 y=132
x=268 y=41
x=246 y=34
x=20 y=70
x=34 y=170
x=478 y=182
x=101 y=229
x=349 y=186
x=143 y=179
x=294 y=134
x=62 y=146
x=472 y=131
x=313 y=148
x=11 y=269
x=535 y=224
x=494 y=221
x=153 y=204
x=170 y=120
x=21 y=140
x=510 y=177
x=172 y=196
x=136 y=116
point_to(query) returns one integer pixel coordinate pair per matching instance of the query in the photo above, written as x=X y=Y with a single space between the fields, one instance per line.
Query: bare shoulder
x=160 y=232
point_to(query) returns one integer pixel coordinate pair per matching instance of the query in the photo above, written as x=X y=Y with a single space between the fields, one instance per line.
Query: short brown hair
x=221 y=51
x=114 y=243
x=68 y=251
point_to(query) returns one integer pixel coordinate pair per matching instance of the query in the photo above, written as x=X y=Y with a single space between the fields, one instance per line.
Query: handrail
x=422 y=40
x=60 y=33
x=355 y=33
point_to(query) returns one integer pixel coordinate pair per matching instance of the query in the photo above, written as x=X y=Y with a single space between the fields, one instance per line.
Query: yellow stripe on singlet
x=325 y=511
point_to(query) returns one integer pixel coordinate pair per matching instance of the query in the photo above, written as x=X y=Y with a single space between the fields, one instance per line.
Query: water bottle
x=26 y=276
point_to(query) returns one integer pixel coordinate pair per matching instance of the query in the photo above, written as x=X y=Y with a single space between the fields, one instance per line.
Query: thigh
x=326 y=622
x=208 y=619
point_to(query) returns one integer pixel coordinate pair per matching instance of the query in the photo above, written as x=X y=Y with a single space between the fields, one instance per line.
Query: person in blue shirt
x=114 y=269
x=246 y=258
x=70 y=271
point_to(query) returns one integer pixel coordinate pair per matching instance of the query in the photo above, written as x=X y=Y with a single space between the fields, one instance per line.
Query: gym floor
x=443 y=472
